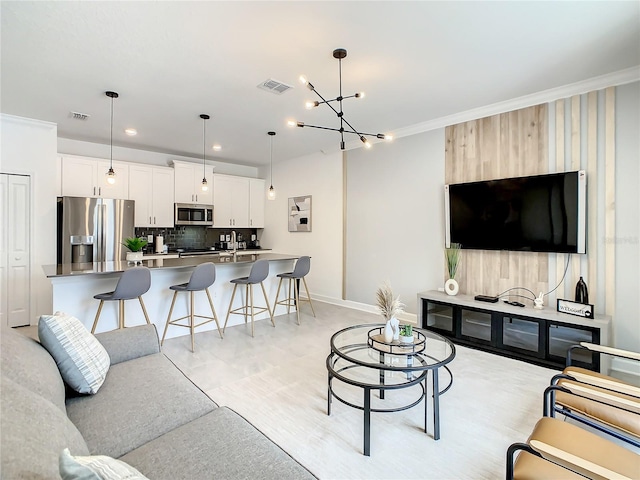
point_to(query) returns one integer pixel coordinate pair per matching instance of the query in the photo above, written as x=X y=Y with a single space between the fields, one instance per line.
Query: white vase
x=395 y=326
x=388 y=332
x=451 y=287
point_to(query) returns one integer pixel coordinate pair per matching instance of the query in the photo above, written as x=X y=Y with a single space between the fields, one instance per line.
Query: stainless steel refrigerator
x=93 y=229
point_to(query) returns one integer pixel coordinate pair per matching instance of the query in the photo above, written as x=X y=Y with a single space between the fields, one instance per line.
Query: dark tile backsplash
x=192 y=237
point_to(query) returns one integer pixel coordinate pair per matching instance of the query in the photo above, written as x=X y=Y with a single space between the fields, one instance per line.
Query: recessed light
x=132 y=132
x=217 y=147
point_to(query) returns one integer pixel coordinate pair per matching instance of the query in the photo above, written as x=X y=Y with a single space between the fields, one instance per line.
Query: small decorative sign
x=573 y=308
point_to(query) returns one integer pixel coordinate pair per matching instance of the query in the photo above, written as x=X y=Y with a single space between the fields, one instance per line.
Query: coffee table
x=361 y=358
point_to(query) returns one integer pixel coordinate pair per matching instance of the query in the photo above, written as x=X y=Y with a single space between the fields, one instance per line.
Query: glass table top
x=364 y=345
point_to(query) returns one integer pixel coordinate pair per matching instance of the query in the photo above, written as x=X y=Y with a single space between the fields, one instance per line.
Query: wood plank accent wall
x=511 y=144
x=568 y=134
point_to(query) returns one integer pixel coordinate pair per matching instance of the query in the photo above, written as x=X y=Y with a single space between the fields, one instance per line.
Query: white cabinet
x=257 y=195
x=230 y=201
x=152 y=190
x=188 y=183
x=86 y=177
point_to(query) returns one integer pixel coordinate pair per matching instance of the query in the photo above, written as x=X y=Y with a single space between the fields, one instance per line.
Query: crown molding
x=27 y=121
x=620 y=77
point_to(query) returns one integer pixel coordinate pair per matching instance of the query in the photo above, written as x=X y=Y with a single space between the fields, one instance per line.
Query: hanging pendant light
x=204 y=117
x=110 y=176
x=271 y=193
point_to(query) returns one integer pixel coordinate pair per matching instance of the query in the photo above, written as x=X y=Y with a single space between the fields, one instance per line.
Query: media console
x=539 y=336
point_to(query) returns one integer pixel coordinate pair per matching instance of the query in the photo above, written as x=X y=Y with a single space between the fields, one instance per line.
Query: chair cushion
x=140 y=400
x=584 y=444
x=243 y=280
x=618 y=418
x=99 y=467
x=531 y=467
x=82 y=360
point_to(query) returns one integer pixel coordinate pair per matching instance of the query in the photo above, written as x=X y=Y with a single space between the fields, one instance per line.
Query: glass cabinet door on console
x=562 y=337
x=476 y=326
x=522 y=335
x=439 y=317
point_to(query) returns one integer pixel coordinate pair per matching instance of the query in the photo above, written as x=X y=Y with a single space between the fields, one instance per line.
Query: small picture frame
x=299 y=211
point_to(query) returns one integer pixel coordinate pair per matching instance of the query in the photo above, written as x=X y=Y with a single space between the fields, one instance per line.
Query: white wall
x=395 y=218
x=320 y=176
x=98 y=150
x=627 y=239
x=29 y=148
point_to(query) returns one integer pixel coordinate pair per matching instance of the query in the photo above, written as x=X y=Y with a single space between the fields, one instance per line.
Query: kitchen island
x=74 y=286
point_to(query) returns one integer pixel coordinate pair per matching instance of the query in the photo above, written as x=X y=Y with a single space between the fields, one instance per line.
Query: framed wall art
x=300 y=214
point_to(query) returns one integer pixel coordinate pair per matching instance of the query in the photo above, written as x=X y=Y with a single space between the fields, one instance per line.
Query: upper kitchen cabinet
x=256 y=202
x=152 y=190
x=86 y=177
x=230 y=201
x=188 y=183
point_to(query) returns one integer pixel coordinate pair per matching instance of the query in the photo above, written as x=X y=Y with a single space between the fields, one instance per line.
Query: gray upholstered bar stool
x=201 y=279
x=133 y=283
x=259 y=272
x=303 y=265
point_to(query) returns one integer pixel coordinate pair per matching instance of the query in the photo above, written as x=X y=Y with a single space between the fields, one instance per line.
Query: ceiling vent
x=79 y=116
x=274 y=86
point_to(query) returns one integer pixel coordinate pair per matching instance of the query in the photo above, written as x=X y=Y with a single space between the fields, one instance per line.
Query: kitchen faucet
x=233 y=241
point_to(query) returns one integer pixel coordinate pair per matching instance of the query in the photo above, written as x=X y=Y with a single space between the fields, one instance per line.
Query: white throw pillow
x=82 y=360
x=98 y=467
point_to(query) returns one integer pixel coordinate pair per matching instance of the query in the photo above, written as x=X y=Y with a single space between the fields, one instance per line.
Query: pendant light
x=111 y=175
x=271 y=193
x=204 y=117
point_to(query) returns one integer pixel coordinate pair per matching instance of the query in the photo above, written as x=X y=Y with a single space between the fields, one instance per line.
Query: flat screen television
x=541 y=213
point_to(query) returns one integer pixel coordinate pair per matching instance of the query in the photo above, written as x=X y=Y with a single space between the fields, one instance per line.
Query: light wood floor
x=278 y=381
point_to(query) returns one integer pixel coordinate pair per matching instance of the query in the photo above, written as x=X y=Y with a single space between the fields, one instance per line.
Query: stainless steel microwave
x=190 y=214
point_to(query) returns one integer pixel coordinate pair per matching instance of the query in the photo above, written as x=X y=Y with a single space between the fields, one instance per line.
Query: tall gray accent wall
x=395 y=218
x=627 y=238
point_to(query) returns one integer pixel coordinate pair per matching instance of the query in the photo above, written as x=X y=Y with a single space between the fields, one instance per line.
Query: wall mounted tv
x=541 y=213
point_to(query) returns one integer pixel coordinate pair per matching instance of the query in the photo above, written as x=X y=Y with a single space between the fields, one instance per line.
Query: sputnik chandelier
x=345 y=126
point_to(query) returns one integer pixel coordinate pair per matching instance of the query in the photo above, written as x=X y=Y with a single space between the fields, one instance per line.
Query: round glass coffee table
x=360 y=357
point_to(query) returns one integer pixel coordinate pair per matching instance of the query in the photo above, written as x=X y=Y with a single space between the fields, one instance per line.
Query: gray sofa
x=147 y=414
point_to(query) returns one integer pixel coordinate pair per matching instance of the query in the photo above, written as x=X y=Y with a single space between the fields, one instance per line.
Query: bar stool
x=201 y=279
x=133 y=283
x=303 y=265
x=259 y=271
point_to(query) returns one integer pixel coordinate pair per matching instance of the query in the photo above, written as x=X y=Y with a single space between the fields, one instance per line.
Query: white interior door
x=15 y=258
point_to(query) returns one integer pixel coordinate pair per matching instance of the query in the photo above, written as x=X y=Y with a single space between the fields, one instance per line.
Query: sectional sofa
x=146 y=414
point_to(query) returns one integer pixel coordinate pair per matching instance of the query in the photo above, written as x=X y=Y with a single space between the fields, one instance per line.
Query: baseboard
x=626 y=366
x=363 y=307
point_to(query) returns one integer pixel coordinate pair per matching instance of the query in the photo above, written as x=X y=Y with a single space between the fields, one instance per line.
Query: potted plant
x=452 y=255
x=406 y=333
x=135 y=245
x=390 y=308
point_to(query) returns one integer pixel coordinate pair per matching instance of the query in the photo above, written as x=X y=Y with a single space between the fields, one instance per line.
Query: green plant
x=406 y=330
x=452 y=254
x=134 y=244
x=388 y=306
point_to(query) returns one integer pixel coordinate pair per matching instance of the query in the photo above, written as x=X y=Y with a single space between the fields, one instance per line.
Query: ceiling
x=171 y=61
